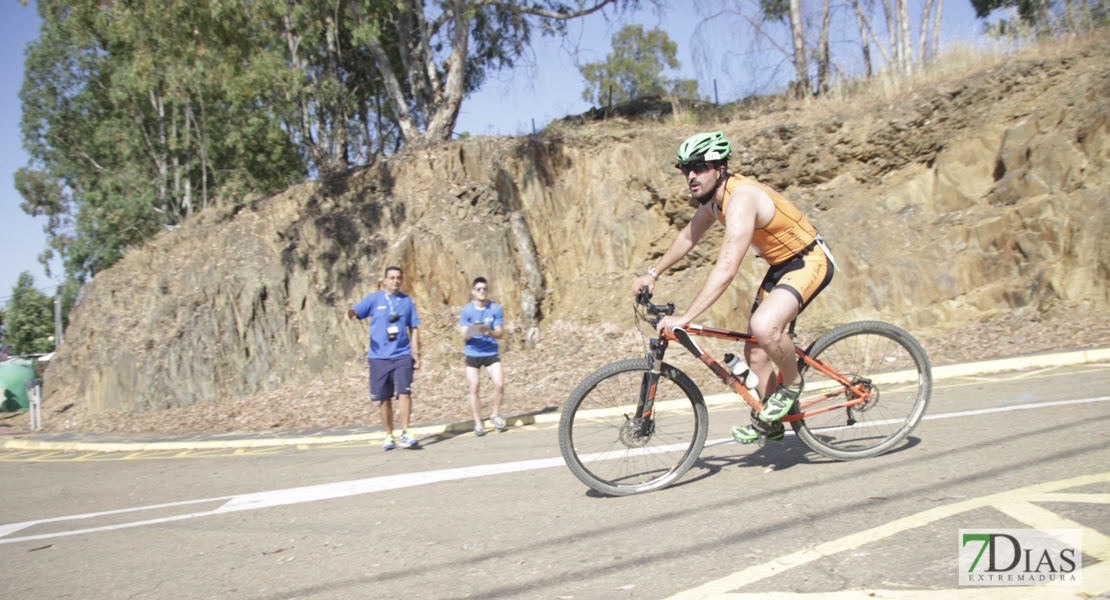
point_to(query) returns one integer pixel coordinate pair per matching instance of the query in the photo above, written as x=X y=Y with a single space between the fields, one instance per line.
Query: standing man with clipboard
x=480 y=324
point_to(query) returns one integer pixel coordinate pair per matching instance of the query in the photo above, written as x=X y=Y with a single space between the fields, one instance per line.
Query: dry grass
x=958 y=60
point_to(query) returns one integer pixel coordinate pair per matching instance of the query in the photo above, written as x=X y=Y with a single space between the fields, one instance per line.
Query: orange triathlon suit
x=789 y=243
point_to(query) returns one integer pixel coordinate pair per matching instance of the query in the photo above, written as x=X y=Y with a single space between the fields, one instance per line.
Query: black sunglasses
x=698 y=167
x=481 y=289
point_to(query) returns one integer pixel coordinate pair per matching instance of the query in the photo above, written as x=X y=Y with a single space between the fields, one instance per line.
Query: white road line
x=342 y=489
x=311 y=493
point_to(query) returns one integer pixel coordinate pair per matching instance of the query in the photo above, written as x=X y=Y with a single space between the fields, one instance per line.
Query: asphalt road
x=502 y=517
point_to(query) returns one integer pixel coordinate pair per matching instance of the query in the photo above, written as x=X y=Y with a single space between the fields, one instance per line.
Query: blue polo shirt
x=481 y=345
x=379 y=306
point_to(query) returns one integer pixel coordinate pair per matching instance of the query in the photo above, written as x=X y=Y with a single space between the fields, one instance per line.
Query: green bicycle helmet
x=704 y=146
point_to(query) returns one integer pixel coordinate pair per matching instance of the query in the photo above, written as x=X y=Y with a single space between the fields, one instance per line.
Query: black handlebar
x=643 y=298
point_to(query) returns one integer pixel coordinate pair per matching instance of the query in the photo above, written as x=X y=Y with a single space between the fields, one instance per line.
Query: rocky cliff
x=948 y=205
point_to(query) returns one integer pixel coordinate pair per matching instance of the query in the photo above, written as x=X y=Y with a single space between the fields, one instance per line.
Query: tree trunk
x=202 y=138
x=864 y=31
x=442 y=121
x=409 y=128
x=923 y=36
x=303 y=123
x=904 y=40
x=891 y=34
x=158 y=152
x=936 y=27
x=533 y=292
x=801 y=69
x=823 y=51
x=173 y=211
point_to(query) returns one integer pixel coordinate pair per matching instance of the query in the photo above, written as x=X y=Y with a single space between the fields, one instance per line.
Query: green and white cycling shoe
x=749 y=433
x=779 y=403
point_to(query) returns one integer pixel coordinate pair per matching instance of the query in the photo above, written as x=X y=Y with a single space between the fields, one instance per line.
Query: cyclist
x=800 y=266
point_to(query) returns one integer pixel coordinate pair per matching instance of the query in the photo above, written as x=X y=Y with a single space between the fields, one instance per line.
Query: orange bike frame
x=682 y=336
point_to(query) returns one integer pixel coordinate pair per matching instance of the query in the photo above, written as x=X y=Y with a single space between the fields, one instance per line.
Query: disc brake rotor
x=631 y=434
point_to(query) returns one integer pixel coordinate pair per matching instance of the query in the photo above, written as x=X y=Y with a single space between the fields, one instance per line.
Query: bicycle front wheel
x=606 y=446
x=885 y=360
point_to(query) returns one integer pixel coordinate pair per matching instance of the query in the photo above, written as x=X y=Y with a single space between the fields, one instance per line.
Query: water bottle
x=740 y=369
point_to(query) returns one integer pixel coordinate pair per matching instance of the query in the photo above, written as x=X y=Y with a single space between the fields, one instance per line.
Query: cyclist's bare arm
x=680 y=246
x=740 y=226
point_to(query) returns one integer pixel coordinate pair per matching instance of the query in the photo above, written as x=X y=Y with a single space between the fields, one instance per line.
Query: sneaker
x=388 y=445
x=779 y=403
x=407 y=441
x=498 y=422
x=479 y=430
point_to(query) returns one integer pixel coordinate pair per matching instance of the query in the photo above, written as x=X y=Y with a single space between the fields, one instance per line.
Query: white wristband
x=653 y=274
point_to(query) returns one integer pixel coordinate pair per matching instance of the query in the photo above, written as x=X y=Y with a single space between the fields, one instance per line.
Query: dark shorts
x=390 y=377
x=804 y=275
x=482 y=361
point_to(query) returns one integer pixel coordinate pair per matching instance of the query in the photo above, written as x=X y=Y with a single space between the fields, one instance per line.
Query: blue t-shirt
x=481 y=345
x=379 y=306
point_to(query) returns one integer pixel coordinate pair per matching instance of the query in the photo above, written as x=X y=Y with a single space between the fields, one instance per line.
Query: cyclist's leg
x=785 y=291
x=769 y=324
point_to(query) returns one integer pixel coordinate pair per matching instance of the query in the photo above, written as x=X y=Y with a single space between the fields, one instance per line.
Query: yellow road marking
x=1095 y=543
x=1096 y=578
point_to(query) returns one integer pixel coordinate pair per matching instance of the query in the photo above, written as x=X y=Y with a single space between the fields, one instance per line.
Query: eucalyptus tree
x=137 y=113
x=431 y=54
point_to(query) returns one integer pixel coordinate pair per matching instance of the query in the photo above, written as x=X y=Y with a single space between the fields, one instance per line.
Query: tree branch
x=539 y=12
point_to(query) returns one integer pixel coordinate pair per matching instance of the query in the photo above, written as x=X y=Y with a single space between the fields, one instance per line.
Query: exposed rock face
x=978 y=196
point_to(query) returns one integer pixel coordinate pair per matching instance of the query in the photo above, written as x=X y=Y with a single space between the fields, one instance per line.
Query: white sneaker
x=498 y=422
x=479 y=430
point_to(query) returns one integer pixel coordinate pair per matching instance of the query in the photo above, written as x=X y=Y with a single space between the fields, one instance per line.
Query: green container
x=13 y=383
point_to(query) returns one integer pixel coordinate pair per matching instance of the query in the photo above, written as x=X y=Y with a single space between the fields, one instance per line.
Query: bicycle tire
x=901 y=379
x=595 y=426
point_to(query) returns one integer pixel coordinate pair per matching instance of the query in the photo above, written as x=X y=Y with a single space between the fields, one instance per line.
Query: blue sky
x=545 y=86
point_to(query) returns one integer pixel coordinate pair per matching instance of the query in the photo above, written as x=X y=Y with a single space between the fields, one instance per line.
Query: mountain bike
x=638 y=425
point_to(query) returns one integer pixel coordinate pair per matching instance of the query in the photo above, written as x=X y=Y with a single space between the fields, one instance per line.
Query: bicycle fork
x=643 y=422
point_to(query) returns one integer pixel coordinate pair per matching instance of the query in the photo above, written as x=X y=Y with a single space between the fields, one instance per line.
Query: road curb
x=1016 y=363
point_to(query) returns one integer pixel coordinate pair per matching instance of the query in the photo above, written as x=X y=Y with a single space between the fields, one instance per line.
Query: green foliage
x=28 y=320
x=775 y=10
x=634 y=68
x=1044 y=16
x=136 y=114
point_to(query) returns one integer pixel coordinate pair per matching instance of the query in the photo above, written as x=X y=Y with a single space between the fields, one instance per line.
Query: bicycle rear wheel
x=599 y=434
x=880 y=357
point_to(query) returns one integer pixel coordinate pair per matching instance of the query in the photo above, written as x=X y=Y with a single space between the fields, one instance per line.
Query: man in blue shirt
x=480 y=324
x=394 y=351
